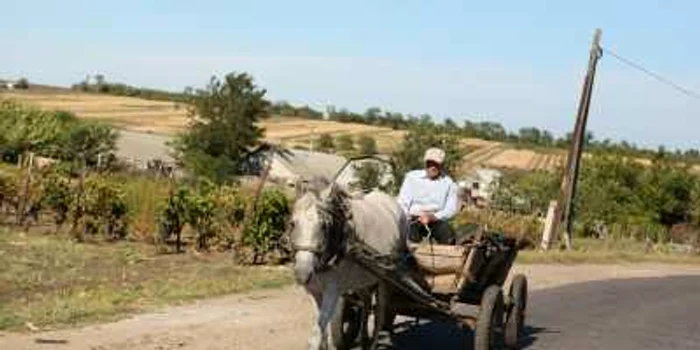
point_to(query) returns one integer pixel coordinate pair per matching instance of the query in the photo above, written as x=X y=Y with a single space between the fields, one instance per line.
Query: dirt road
x=281 y=319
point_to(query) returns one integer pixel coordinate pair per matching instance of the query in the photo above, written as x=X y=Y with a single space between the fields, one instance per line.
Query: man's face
x=433 y=169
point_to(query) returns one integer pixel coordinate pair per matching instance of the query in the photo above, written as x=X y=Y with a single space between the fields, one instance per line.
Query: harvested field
x=127 y=112
x=525 y=160
x=288 y=129
x=479 y=157
x=512 y=158
x=167 y=118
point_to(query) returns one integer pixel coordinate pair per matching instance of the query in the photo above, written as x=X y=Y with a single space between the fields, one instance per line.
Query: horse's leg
x=316 y=295
x=380 y=313
x=331 y=294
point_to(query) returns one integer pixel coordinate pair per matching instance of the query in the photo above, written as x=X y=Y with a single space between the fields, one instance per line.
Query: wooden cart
x=458 y=283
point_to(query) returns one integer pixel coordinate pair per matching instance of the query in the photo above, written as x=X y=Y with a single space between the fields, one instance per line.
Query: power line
x=685 y=91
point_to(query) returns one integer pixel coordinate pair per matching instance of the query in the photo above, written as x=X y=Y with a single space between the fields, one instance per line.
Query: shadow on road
x=530 y=336
x=410 y=335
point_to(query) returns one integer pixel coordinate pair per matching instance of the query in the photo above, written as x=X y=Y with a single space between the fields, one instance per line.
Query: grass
x=53 y=282
x=144 y=196
x=591 y=251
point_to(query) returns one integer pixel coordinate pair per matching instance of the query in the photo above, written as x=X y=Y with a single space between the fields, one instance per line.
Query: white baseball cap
x=434 y=154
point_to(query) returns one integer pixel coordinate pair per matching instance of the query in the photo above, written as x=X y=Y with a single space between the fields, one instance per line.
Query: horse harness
x=339 y=232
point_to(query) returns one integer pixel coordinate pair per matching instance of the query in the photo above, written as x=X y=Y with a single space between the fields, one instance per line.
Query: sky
x=520 y=63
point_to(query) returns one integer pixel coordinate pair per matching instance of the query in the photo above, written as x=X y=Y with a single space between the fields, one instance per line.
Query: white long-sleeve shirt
x=419 y=193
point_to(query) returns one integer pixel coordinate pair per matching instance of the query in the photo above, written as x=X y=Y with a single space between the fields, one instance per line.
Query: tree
x=325 y=143
x=222 y=127
x=373 y=114
x=99 y=80
x=368 y=145
x=368 y=176
x=345 y=142
x=85 y=142
x=25 y=128
x=22 y=83
x=450 y=126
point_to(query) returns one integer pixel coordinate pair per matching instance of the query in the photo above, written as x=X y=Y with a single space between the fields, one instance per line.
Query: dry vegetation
x=167 y=118
x=48 y=280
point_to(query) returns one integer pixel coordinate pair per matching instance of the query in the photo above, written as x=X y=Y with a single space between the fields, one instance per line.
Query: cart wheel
x=488 y=333
x=515 y=321
x=347 y=323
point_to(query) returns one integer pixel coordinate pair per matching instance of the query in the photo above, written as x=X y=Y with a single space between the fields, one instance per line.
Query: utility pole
x=564 y=210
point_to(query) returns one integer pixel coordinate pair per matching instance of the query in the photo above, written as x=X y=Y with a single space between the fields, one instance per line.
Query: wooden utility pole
x=564 y=209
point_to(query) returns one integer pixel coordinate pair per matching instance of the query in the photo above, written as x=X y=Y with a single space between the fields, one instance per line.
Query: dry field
x=127 y=112
x=526 y=159
x=167 y=118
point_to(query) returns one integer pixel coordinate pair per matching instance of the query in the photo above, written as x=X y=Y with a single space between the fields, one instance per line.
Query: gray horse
x=324 y=221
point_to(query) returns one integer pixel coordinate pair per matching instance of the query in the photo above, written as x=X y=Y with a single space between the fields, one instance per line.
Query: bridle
x=337 y=231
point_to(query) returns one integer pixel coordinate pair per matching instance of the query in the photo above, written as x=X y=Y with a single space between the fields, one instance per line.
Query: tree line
x=98 y=84
x=616 y=196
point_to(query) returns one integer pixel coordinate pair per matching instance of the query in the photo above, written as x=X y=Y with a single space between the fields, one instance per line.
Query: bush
x=173 y=216
x=8 y=191
x=267 y=226
x=57 y=196
x=368 y=145
x=104 y=208
x=324 y=143
x=200 y=213
x=230 y=213
x=345 y=143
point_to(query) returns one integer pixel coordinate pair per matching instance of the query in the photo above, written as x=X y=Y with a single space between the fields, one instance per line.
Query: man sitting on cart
x=429 y=197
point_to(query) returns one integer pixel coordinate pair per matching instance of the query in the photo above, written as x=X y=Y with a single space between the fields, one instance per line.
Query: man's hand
x=426 y=218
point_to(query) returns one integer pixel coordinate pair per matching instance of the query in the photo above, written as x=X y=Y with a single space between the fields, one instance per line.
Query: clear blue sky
x=517 y=62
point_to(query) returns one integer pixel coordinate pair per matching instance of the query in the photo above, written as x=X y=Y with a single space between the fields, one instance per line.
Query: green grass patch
x=608 y=252
x=50 y=281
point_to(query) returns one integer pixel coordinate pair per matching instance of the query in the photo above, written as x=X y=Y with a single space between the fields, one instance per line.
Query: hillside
x=167 y=118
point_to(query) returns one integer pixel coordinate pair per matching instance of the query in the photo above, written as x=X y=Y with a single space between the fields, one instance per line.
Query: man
x=429 y=197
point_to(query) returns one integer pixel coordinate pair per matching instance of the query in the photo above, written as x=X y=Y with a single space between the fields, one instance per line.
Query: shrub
x=173 y=215
x=368 y=145
x=8 y=192
x=345 y=143
x=268 y=224
x=230 y=213
x=105 y=208
x=324 y=143
x=57 y=196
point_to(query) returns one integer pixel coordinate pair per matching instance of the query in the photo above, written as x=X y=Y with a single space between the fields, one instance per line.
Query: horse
x=323 y=223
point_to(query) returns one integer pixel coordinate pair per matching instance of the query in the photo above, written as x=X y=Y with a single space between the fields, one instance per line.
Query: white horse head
x=320 y=228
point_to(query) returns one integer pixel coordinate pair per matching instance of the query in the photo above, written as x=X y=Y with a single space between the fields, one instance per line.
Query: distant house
x=7 y=85
x=478 y=186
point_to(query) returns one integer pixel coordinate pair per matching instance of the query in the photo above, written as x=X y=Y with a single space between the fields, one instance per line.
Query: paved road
x=657 y=313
